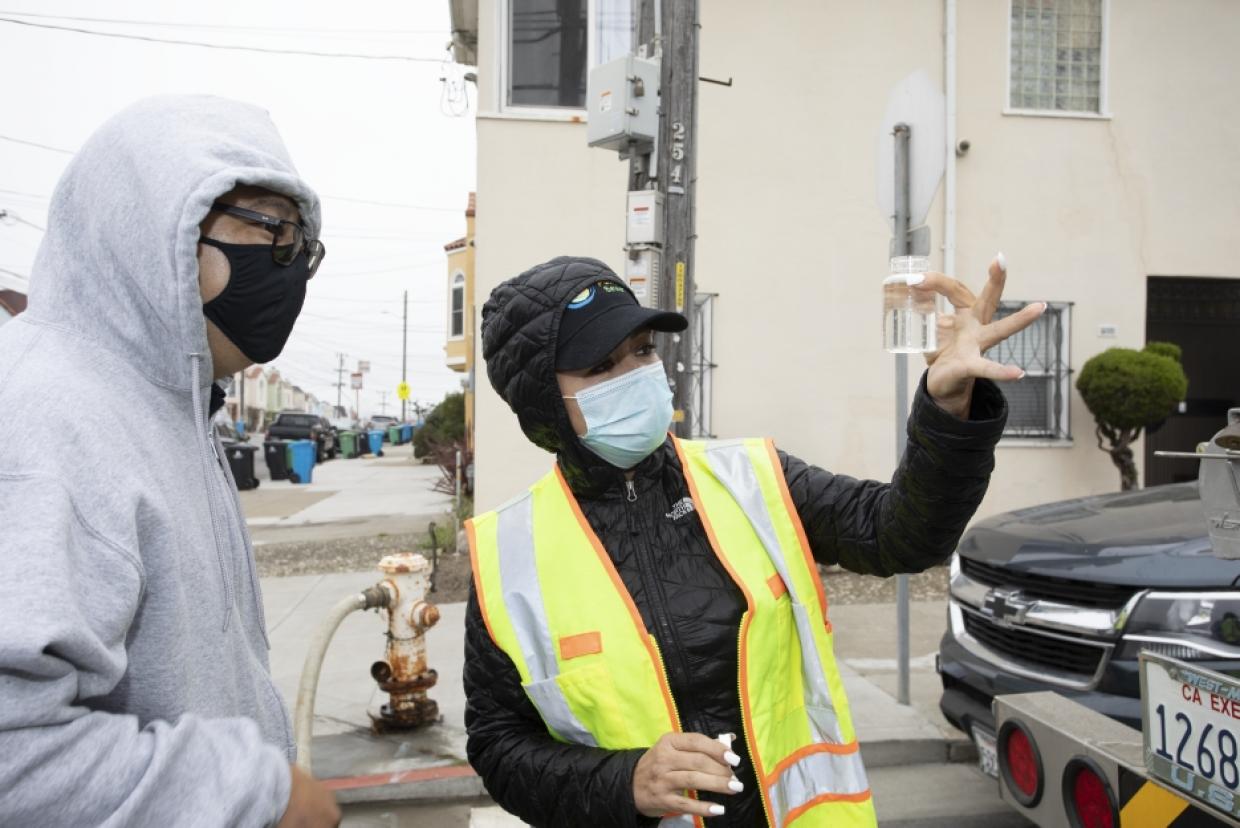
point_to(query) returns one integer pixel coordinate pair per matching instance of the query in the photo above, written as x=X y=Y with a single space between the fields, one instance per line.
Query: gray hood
x=147 y=176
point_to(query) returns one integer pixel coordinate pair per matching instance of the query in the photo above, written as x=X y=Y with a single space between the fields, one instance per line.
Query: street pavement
x=361 y=497
x=920 y=768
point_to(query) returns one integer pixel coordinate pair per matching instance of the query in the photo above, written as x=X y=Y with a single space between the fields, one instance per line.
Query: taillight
x=1087 y=795
x=1020 y=763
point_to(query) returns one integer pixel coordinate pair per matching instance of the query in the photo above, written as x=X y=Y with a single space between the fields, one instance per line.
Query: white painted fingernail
x=716 y=810
x=732 y=758
x=725 y=739
x=1022 y=375
x=1045 y=307
x=736 y=784
x=1002 y=260
x=915 y=278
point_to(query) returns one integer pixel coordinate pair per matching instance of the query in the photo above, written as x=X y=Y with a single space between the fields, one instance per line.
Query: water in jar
x=909 y=313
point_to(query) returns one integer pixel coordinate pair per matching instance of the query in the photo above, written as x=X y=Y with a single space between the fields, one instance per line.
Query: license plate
x=987 y=752
x=1191 y=729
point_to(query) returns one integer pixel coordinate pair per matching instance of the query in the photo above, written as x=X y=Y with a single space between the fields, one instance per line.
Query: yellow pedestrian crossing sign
x=402 y=391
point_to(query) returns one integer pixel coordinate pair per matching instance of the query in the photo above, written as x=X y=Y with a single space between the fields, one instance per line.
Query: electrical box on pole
x=642 y=269
x=645 y=217
x=622 y=99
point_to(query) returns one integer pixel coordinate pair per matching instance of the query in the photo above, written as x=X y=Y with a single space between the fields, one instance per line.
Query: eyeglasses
x=288 y=238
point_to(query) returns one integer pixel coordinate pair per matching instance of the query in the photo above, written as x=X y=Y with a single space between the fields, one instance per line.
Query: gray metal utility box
x=622 y=103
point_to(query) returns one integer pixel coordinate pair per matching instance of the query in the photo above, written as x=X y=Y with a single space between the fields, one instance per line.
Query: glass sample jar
x=909 y=312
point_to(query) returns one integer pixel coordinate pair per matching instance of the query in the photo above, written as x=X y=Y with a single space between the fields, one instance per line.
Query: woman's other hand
x=965 y=335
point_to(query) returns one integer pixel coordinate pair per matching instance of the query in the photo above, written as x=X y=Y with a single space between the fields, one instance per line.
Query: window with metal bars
x=1057 y=60
x=1038 y=404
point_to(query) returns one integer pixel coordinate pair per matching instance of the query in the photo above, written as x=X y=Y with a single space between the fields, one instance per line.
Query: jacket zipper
x=654 y=588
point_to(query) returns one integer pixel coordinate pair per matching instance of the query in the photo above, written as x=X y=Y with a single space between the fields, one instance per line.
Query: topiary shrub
x=1128 y=390
x=1167 y=349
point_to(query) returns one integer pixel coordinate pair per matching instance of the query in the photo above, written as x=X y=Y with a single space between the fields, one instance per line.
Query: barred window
x=1056 y=55
x=1038 y=404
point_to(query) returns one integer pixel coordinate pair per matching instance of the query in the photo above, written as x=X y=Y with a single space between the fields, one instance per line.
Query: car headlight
x=1185 y=625
x=953 y=566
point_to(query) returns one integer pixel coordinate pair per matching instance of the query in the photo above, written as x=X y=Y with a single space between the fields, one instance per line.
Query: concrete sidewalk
x=347 y=498
x=431 y=763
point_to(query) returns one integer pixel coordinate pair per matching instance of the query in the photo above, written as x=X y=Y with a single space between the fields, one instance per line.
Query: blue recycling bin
x=303 y=452
x=376 y=442
x=240 y=428
x=406 y=433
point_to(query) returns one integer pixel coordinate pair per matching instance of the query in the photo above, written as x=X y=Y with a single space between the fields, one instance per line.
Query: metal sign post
x=908 y=176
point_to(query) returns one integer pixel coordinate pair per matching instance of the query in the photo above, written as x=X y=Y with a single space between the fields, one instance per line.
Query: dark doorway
x=1202 y=316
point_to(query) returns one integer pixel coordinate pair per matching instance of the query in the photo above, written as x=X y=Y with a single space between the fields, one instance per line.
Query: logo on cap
x=582 y=299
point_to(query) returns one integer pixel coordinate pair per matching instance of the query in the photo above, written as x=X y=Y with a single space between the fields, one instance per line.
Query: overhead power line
x=35 y=144
x=9 y=214
x=167 y=24
x=21 y=194
x=226 y=46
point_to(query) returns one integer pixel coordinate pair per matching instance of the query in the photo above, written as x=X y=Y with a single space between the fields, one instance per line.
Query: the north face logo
x=682 y=507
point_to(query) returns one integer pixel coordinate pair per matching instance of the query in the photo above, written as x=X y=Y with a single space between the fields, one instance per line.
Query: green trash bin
x=348 y=444
x=393 y=434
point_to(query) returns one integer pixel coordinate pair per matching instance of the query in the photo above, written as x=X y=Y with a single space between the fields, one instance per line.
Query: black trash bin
x=241 y=461
x=275 y=452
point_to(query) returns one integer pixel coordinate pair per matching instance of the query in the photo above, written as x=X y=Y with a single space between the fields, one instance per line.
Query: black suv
x=298 y=425
x=1064 y=596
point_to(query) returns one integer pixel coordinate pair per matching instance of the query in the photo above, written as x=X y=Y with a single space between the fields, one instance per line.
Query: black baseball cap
x=599 y=318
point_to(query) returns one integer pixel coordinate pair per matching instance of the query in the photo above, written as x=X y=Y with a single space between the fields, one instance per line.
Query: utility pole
x=404 y=352
x=383 y=402
x=339 y=379
x=672 y=26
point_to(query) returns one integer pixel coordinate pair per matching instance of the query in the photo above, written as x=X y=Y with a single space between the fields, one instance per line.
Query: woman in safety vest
x=647 y=640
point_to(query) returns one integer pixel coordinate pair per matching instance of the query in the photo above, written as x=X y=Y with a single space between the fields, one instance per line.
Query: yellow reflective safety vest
x=553 y=601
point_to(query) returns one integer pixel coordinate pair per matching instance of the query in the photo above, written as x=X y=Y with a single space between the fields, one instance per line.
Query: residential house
x=460 y=345
x=1095 y=145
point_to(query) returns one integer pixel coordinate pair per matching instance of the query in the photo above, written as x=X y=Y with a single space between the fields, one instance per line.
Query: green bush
x=444 y=426
x=1167 y=349
x=1128 y=390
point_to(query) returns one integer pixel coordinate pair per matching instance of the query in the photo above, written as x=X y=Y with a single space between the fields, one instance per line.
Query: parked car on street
x=298 y=425
x=228 y=432
x=1065 y=596
x=382 y=422
x=344 y=424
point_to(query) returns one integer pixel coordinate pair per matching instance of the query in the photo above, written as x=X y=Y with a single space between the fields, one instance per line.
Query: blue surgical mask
x=627 y=417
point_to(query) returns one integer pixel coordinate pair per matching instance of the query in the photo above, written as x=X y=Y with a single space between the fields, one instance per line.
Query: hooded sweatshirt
x=134 y=678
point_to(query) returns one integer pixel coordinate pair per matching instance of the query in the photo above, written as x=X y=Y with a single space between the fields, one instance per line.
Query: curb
x=892 y=753
x=449 y=782
x=461 y=782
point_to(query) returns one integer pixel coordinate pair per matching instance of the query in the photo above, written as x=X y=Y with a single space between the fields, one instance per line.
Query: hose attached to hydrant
x=303 y=719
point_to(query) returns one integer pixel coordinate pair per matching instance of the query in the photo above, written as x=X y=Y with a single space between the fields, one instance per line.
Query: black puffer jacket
x=663 y=556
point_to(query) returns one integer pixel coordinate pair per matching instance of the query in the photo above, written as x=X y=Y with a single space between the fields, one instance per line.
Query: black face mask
x=257 y=309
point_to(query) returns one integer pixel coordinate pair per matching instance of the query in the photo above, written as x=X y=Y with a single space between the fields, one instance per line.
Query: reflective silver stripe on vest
x=818 y=774
x=682 y=821
x=729 y=461
x=523 y=599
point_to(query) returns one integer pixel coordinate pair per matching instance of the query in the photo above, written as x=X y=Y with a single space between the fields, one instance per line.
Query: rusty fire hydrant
x=403 y=674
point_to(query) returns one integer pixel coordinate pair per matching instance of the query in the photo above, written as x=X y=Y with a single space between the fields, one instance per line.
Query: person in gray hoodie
x=134 y=679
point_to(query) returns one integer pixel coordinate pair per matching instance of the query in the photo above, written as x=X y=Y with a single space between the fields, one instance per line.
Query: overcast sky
x=369 y=130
